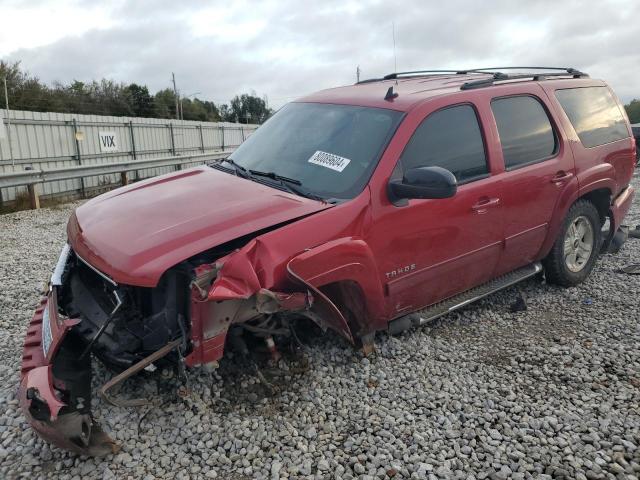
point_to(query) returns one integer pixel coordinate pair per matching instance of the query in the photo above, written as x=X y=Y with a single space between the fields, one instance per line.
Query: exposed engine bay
x=121 y=325
x=130 y=328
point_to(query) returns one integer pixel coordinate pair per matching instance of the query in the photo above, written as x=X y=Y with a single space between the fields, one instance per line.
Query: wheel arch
x=598 y=193
x=601 y=199
x=344 y=271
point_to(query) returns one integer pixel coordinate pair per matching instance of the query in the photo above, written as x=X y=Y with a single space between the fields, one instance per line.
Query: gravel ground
x=552 y=392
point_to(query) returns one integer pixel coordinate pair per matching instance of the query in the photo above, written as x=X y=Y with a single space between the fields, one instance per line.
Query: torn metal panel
x=345 y=260
x=324 y=312
x=237 y=278
x=269 y=302
x=55 y=386
x=235 y=295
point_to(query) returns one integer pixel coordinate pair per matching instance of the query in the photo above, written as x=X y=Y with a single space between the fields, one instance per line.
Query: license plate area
x=54 y=326
x=47 y=336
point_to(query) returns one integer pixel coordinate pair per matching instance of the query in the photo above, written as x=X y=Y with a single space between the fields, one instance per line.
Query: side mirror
x=423 y=182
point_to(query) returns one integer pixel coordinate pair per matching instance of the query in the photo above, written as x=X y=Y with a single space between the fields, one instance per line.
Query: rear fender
x=573 y=192
x=341 y=260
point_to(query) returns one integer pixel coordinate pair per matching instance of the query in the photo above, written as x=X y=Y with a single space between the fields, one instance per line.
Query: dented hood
x=134 y=234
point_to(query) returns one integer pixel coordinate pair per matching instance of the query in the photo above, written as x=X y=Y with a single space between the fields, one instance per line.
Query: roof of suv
x=414 y=89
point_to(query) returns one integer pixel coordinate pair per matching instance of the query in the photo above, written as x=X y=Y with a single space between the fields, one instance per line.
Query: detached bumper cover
x=621 y=205
x=56 y=407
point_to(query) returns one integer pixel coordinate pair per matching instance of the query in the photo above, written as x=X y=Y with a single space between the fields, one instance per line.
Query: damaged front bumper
x=78 y=317
x=55 y=385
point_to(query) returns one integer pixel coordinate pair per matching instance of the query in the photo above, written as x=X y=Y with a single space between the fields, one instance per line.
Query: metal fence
x=50 y=141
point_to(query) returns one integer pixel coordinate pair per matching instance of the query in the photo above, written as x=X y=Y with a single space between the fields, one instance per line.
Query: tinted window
x=525 y=131
x=594 y=114
x=330 y=149
x=450 y=139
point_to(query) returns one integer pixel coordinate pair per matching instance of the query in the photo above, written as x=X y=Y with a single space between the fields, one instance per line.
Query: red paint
x=399 y=258
x=41 y=380
x=135 y=233
x=33 y=354
x=353 y=266
x=621 y=205
x=36 y=371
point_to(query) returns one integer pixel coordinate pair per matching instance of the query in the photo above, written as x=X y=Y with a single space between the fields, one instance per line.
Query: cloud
x=287 y=48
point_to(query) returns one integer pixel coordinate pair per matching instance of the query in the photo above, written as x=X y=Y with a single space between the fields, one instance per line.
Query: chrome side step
x=463 y=299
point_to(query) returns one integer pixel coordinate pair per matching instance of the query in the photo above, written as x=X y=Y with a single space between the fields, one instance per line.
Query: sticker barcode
x=329 y=160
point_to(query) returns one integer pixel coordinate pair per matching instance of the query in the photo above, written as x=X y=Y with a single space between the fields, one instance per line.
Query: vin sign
x=108 y=142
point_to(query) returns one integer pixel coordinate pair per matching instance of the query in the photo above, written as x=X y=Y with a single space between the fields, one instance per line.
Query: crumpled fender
x=237 y=278
x=344 y=259
x=323 y=312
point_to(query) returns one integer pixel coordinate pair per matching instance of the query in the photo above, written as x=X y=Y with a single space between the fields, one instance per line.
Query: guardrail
x=31 y=178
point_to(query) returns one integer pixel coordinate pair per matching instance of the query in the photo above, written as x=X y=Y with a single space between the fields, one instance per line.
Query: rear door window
x=451 y=139
x=594 y=114
x=526 y=134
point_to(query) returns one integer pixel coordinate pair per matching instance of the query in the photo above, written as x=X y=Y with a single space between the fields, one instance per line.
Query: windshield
x=330 y=149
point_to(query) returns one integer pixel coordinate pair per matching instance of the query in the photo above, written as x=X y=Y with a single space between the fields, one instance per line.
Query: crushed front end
x=185 y=321
x=85 y=313
x=55 y=379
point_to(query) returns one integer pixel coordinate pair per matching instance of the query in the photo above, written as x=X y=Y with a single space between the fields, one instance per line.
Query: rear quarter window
x=594 y=114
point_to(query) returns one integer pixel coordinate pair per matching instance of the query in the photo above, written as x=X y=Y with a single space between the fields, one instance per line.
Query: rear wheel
x=575 y=250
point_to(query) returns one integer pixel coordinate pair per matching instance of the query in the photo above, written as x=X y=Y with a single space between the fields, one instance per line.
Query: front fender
x=344 y=259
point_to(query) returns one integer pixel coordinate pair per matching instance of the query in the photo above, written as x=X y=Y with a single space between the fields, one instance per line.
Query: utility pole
x=358 y=74
x=6 y=99
x=175 y=93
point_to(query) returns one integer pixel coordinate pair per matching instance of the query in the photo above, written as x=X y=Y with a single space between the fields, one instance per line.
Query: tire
x=569 y=262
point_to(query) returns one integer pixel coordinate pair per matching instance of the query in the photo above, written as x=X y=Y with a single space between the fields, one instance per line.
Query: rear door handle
x=484 y=204
x=561 y=177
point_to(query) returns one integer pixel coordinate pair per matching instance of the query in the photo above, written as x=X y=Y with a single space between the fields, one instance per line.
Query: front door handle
x=484 y=204
x=561 y=178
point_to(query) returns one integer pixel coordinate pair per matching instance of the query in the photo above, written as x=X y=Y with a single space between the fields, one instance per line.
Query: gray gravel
x=552 y=392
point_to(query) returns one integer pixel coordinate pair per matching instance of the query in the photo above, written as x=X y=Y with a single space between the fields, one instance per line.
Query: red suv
x=352 y=207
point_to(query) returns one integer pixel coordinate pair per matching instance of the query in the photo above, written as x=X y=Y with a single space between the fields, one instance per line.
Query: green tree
x=193 y=110
x=198 y=110
x=102 y=98
x=165 y=104
x=112 y=96
x=633 y=110
x=225 y=113
x=213 y=115
x=247 y=109
x=25 y=91
x=107 y=97
x=140 y=100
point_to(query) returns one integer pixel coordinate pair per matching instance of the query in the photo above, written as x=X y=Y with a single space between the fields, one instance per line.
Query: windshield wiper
x=275 y=176
x=240 y=170
x=291 y=184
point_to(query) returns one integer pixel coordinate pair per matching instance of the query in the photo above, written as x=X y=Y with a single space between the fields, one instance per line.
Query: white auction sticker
x=329 y=160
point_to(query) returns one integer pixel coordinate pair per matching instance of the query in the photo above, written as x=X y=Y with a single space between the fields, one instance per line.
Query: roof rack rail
x=499 y=76
x=496 y=74
x=494 y=69
x=393 y=76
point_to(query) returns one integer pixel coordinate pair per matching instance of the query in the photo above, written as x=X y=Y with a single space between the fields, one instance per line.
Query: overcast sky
x=288 y=48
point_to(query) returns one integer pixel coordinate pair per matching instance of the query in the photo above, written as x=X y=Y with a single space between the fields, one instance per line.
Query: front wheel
x=574 y=252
